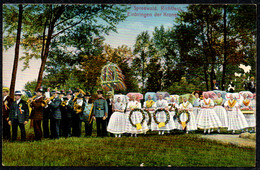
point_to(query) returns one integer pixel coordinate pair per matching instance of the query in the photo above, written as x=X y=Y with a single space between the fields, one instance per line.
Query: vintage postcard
x=137 y=85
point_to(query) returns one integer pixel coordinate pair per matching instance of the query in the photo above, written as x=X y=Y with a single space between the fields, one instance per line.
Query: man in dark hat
x=55 y=115
x=110 y=103
x=7 y=101
x=78 y=115
x=68 y=116
x=46 y=116
x=63 y=109
x=87 y=114
x=100 y=114
x=37 y=105
x=18 y=116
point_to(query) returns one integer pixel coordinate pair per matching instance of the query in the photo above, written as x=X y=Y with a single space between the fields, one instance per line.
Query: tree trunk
x=206 y=76
x=225 y=49
x=55 y=15
x=16 y=55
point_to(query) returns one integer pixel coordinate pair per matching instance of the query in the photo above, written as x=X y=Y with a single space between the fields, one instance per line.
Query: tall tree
x=16 y=55
x=141 y=50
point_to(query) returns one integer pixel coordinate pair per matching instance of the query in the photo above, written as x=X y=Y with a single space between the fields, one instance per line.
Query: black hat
x=100 y=92
x=80 y=96
x=65 y=98
x=87 y=94
x=39 y=90
x=18 y=93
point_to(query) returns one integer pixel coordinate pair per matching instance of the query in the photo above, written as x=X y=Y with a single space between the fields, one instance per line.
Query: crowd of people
x=56 y=114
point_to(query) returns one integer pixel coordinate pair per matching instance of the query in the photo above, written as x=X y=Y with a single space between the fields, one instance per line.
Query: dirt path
x=234 y=139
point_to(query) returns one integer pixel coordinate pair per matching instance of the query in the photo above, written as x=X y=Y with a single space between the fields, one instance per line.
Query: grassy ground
x=177 y=150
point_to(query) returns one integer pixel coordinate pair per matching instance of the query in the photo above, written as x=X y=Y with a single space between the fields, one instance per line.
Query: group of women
x=163 y=113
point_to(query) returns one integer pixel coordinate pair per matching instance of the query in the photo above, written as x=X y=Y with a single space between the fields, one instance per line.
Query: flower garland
x=179 y=116
x=20 y=108
x=150 y=117
x=136 y=110
x=167 y=116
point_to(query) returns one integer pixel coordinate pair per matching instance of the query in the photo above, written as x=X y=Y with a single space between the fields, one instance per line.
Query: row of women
x=234 y=111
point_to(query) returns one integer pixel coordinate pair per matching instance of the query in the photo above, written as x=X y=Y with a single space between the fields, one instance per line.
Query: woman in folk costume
x=236 y=119
x=172 y=105
x=117 y=122
x=191 y=125
x=245 y=105
x=149 y=105
x=221 y=111
x=196 y=105
x=207 y=118
x=136 y=118
x=161 y=117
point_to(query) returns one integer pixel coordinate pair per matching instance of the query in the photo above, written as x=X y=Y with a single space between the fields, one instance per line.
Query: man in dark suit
x=37 y=105
x=7 y=101
x=68 y=116
x=78 y=115
x=100 y=110
x=55 y=115
x=46 y=117
x=109 y=105
x=87 y=114
x=18 y=116
x=63 y=113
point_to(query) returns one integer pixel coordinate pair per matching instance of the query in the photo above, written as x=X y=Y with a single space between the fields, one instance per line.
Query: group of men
x=59 y=115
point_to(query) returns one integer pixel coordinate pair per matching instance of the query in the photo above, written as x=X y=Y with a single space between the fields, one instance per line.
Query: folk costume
x=117 y=122
x=161 y=117
x=172 y=106
x=150 y=106
x=36 y=116
x=221 y=111
x=19 y=113
x=250 y=117
x=87 y=116
x=207 y=118
x=6 y=105
x=196 y=107
x=192 y=124
x=99 y=111
x=236 y=119
x=136 y=118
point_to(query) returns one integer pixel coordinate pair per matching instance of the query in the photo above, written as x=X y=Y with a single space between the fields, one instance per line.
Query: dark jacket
x=86 y=112
x=100 y=107
x=8 y=100
x=37 y=109
x=22 y=115
x=109 y=108
x=80 y=114
x=55 y=108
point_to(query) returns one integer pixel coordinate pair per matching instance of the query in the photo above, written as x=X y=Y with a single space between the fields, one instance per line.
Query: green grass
x=177 y=150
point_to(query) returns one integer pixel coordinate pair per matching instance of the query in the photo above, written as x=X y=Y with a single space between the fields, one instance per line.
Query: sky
x=141 y=17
